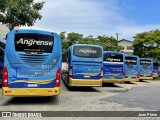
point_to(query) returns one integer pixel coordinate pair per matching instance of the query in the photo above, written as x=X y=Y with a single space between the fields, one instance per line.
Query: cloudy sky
x=100 y=17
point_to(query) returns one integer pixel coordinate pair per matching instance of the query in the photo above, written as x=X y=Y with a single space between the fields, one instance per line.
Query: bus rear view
x=155 y=69
x=132 y=68
x=113 y=66
x=32 y=64
x=146 y=69
x=85 y=65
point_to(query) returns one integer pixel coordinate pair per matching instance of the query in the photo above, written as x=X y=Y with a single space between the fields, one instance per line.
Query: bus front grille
x=33 y=59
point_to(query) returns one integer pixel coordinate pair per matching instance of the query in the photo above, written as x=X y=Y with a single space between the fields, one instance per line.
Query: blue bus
x=113 y=67
x=155 y=68
x=132 y=64
x=146 y=69
x=32 y=63
x=83 y=65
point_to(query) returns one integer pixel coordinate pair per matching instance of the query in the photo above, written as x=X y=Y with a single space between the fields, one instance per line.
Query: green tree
x=74 y=38
x=89 y=40
x=63 y=35
x=65 y=43
x=19 y=12
x=147 y=44
x=108 y=43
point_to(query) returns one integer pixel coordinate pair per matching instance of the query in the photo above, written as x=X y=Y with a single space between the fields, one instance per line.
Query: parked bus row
x=89 y=65
x=33 y=62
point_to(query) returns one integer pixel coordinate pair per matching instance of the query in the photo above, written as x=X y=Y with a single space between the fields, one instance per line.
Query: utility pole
x=117 y=35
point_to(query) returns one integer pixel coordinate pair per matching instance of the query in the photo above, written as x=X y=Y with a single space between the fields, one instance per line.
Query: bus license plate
x=87 y=76
x=32 y=85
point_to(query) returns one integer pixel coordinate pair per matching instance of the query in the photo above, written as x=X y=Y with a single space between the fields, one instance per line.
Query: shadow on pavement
x=115 y=88
x=78 y=89
x=32 y=100
x=144 y=81
x=111 y=85
x=83 y=89
x=130 y=83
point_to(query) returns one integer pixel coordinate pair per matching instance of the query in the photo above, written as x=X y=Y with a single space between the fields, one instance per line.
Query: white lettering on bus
x=87 y=51
x=46 y=66
x=25 y=76
x=146 y=62
x=31 y=42
x=112 y=59
x=130 y=61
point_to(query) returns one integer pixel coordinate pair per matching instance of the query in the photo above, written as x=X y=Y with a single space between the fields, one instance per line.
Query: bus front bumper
x=113 y=80
x=146 y=78
x=30 y=91
x=131 y=79
x=87 y=83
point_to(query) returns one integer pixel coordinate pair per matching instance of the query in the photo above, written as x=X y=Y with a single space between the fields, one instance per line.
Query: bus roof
x=32 y=31
x=129 y=55
x=145 y=58
x=86 y=45
x=115 y=52
x=155 y=61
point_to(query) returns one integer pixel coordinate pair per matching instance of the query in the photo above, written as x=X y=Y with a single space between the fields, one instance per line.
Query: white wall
x=125 y=44
x=3 y=30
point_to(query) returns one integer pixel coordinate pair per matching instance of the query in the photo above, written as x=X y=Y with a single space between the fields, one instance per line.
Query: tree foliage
x=147 y=44
x=74 y=38
x=19 y=12
x=108 y=43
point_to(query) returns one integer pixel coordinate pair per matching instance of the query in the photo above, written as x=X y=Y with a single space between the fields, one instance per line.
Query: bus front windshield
x=130 y=61
x=145 y=62
x=87 y=51
x=31 y=42
x=113 y=58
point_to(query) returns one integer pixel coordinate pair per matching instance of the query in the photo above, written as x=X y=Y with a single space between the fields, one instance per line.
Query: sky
x=100 y=17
